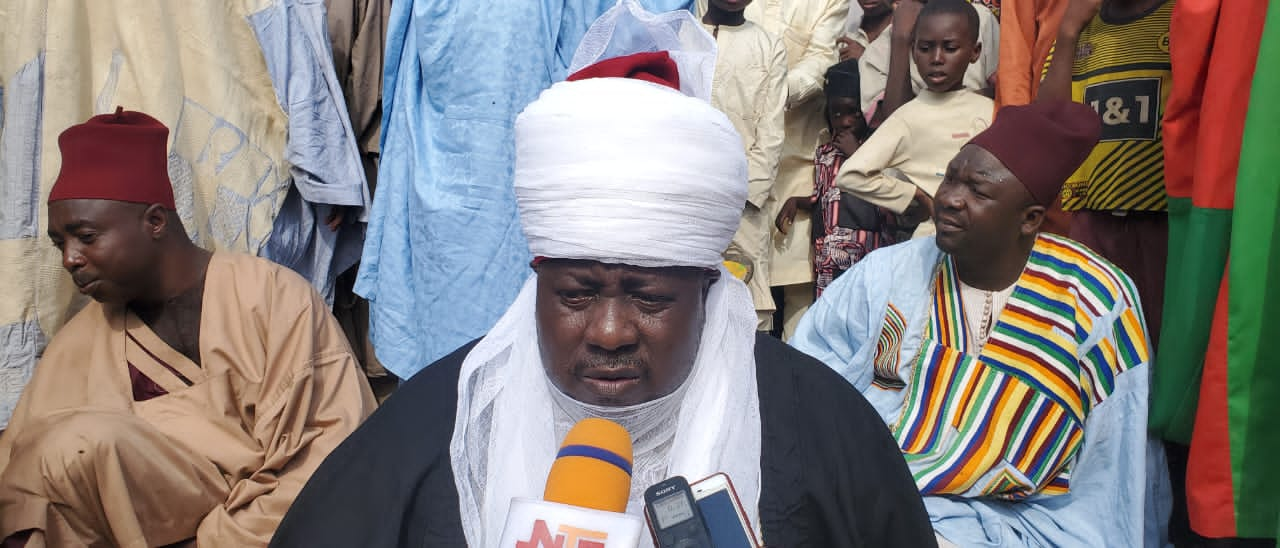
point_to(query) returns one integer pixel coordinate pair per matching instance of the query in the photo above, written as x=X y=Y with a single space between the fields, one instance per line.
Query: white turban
x=632 y=172
x=626 y=171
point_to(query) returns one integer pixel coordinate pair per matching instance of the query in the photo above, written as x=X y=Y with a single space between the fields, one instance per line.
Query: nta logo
x=566 y=537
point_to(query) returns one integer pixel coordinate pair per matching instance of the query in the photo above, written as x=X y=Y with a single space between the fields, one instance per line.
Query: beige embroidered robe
x=219 y=457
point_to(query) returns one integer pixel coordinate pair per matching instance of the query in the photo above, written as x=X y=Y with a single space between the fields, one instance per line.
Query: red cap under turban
x=119 y=156
x=1042 y=143
x=652 y=66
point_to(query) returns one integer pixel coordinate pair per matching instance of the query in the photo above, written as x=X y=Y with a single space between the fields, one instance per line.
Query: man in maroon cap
x=1011 y=365
x=192 y=400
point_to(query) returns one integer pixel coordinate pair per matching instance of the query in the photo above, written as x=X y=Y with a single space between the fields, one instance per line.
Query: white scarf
x=627 y=172
x=508 y=428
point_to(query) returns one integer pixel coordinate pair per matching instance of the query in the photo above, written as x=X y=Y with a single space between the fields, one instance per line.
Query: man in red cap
x=1010 y=364
x=192 y=400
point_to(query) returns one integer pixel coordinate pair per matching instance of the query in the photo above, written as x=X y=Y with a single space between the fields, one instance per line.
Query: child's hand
x=920 y=210
x=787 y=215
x=905 y=14
x=849 y=49
x=846 y=142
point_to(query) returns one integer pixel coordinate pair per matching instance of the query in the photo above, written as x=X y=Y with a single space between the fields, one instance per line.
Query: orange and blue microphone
x=586 y=495
x=593 y=467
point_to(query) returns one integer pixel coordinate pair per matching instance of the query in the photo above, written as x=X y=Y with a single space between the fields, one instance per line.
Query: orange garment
x=1028 y=29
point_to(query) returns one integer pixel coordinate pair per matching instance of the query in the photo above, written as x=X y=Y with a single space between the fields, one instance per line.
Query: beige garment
x=873 y=66
x=796 y=300
x=98 y=467
x=751 y=243
x=919 y=140
x=195 y=66
x=808 y=31
x=277 y=389
x=750 y=87
x=860 y=37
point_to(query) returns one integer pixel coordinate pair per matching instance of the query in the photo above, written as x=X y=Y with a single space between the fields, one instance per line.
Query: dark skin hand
x=921 y=208
x=848 y=144
x=787 y=215
x=335 y=217
x=849 y=49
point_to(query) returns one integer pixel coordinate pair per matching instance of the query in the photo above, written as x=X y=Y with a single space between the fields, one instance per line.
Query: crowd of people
x=898 y=269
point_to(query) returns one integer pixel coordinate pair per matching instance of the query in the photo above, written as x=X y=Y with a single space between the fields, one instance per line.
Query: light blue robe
x=444 y=255
x=324 y=161
x=1119 y=494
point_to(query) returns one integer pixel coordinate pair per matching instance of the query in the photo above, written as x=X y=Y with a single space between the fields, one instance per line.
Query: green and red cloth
x=1216 y=379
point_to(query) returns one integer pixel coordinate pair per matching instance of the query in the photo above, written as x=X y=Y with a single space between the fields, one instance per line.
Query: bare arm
x=897 y=88
x=1056 y=85
x=862 y=174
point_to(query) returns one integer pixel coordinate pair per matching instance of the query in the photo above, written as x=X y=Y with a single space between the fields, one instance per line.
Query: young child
x=750 y=87
x=920 y=138
x=845 y=228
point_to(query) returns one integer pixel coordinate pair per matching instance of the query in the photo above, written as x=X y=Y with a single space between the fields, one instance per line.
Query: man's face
x=981 y=208
x=619 y=335
x=944 y=48
x=732 y=6
x=875 y=8
x=106 y=246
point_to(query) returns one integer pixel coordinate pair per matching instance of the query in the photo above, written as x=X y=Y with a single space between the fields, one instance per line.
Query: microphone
x=585 y=498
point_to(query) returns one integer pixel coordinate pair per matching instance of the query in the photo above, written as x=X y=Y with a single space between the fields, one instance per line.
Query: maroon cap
x=1042 y=143
x=120 y=156
x=653 y=66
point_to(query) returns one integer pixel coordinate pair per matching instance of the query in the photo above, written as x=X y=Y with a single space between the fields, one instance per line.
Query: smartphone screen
x=721 y=517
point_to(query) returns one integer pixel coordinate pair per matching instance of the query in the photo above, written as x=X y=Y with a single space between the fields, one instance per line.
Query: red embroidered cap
x=1042 y=143
x=120 y=156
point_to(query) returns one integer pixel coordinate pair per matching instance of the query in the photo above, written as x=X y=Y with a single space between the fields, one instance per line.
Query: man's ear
x=155 y=221
x=977 y=52
x=1032 y=218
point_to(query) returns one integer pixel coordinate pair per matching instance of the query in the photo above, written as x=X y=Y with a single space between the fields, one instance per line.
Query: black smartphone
x=673 y=516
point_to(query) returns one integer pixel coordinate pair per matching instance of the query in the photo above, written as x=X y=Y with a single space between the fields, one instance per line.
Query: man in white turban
x=629 y=191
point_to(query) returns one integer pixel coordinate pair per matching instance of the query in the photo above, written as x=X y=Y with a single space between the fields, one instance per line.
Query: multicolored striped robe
x=1038 y=438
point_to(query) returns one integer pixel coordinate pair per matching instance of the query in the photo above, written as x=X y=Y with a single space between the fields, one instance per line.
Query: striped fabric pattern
x=888 y=346
x=1122 y=70
x=1006 y=421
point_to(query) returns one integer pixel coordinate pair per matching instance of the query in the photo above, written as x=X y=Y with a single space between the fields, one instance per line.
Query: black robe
x=831 y=473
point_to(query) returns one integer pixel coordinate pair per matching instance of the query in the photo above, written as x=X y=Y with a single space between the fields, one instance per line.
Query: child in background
x=845 y=228
x=750 y=88
x=920 y=138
